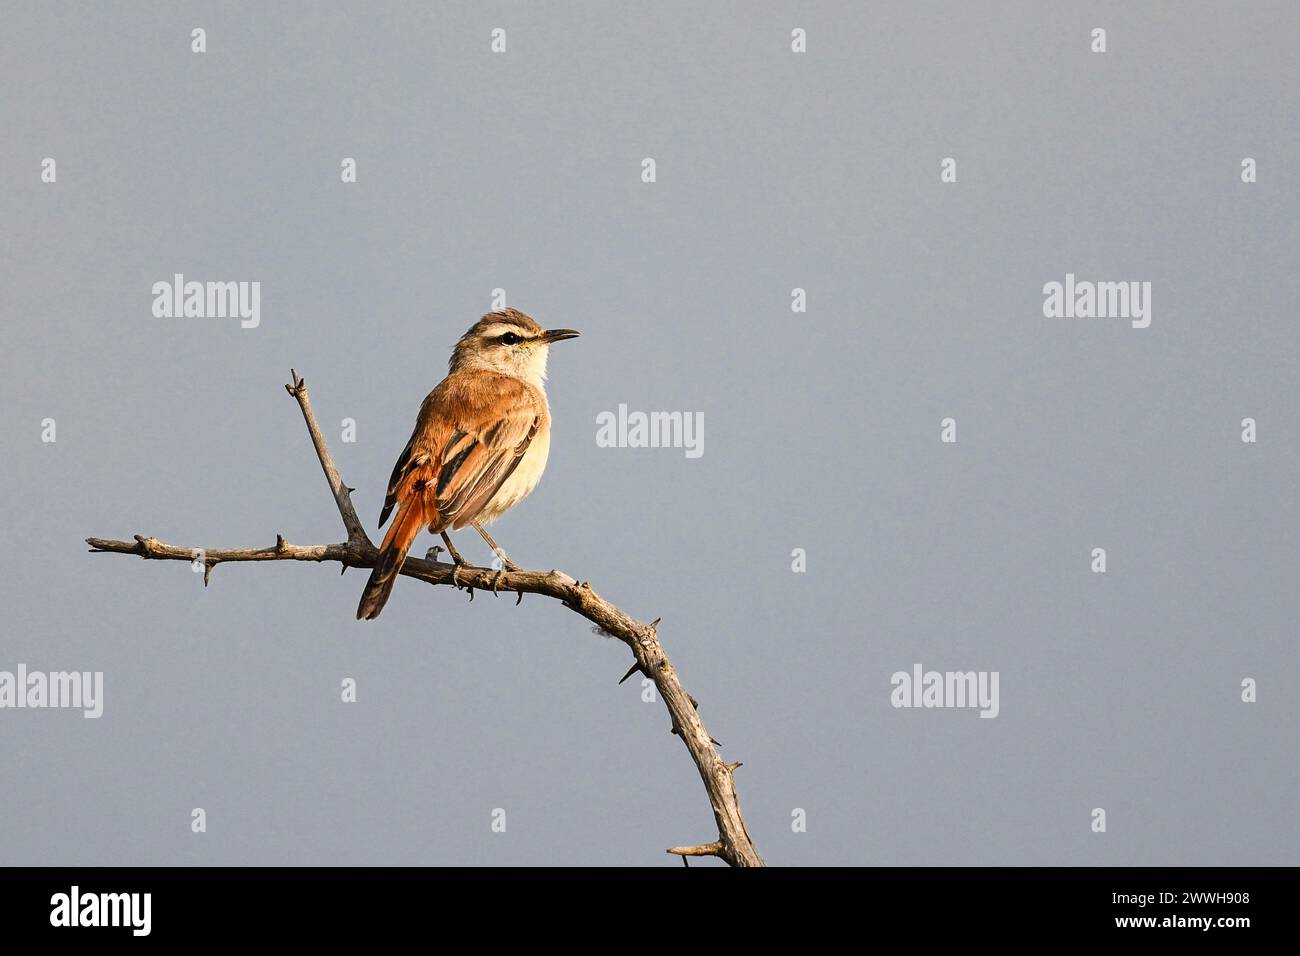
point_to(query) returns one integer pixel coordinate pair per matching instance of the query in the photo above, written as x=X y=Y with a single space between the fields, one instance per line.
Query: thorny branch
x=733 y=844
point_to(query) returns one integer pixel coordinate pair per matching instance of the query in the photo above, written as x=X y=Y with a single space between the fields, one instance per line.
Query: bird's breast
x=523 y=479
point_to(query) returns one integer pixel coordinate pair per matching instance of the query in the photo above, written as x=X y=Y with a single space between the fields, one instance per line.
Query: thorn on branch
x=634 y=669
x=207 y=571
x=280 y=544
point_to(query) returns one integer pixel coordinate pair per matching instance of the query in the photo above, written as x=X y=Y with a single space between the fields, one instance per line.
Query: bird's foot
x=496 y=582
x=457 y=562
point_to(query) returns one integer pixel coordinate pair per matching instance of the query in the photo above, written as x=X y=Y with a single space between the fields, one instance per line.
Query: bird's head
x=509 y=342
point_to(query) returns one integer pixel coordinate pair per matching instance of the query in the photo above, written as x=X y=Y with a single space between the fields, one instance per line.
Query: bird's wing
x=471 y=434
x=403 y=462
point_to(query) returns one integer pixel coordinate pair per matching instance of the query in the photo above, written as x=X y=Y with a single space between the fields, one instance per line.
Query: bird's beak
x=558 y=335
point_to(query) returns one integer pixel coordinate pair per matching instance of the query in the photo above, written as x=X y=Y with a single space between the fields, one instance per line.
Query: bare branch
x=342 y=493
x=733 y=844
x=702 y=849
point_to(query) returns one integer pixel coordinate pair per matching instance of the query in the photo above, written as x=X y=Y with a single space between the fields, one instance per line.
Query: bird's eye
x=510 y=339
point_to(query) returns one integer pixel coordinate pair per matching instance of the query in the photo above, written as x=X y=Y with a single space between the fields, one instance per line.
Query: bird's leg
x=456 y=559
x=451 y=549
x=506 y=562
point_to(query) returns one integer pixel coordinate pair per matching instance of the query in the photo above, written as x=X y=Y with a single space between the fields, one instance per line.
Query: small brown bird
x=479 y=447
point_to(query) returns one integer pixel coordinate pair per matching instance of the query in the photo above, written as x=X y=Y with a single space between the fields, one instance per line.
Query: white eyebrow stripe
x=501 y=328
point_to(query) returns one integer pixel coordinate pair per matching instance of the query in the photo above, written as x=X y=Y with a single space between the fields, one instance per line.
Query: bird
x=479 y=447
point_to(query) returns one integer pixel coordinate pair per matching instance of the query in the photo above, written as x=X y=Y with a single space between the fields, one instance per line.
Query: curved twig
x=733 y=844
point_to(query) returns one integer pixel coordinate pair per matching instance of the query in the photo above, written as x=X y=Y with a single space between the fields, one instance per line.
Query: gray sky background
x=775 y=170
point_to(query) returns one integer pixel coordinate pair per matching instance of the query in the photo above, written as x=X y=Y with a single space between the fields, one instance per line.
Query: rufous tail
x=410 y=519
